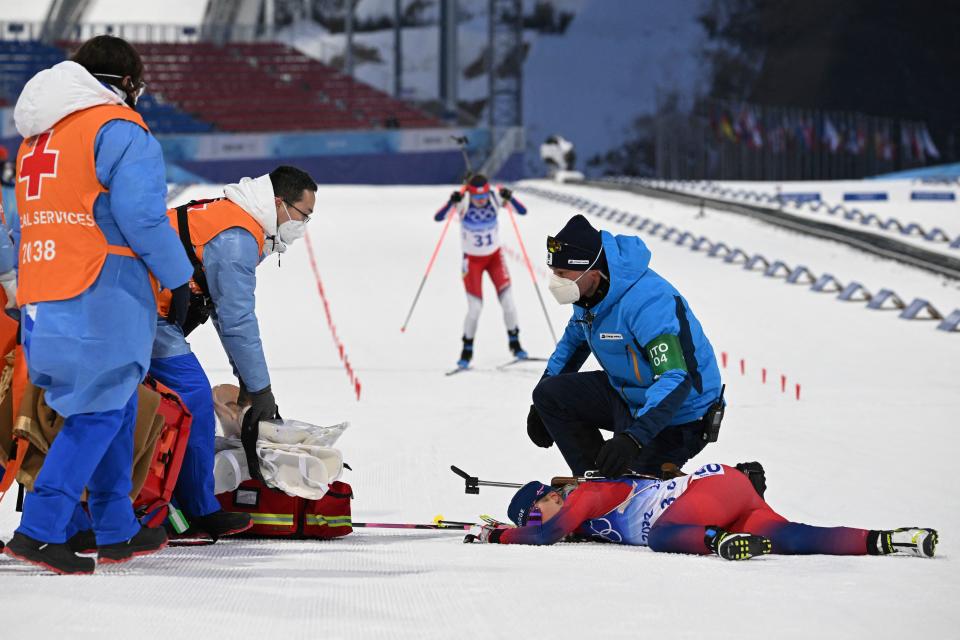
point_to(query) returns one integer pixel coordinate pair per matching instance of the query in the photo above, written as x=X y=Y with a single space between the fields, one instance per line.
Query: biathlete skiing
x=480 y=237
x=714 y=510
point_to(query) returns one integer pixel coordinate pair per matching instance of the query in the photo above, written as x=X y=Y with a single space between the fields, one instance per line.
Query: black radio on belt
x=712 y=419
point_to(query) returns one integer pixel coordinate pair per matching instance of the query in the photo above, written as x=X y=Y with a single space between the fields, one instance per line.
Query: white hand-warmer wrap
x=295 y=457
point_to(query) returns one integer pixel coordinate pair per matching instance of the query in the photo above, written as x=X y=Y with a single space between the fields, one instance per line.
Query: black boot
x=513 y=336
x=222 y=523
x=735 y=546
x=467 y=354
x=55 y=557
x=83 y=542
x=148 y=540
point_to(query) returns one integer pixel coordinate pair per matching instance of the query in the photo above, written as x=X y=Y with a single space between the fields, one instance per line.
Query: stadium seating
x=196 y=87
x=269 y=87
x=19 y=60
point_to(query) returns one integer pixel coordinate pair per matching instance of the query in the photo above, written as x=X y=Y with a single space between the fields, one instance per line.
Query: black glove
x=537 y=430
x=505 y=194
x=616 y=454
x=456 y=196
x=262 y=407
x=243 y=396
x=179 y=305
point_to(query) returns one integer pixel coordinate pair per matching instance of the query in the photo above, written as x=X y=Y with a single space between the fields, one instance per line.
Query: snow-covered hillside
x=872 y=442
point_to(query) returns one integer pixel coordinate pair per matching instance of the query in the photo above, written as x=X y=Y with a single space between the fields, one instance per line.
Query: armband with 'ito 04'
x=665 y=354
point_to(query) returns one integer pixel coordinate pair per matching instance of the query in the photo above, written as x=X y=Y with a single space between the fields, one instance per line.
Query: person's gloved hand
x=615 y=455
x=505 y=194
x=263 y=406
x=456 y=197
x=9 y=282
x=179 y=305
x=483 y=533
x=243 y=396
x=537 y=430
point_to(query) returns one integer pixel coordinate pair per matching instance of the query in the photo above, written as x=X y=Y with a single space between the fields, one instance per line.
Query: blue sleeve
x=442 y=213
x=571 y=352
x=130 y=164
x=520 y=209
x=230 y=261
x=8 y=255
x=655 y=318
x=11 y=218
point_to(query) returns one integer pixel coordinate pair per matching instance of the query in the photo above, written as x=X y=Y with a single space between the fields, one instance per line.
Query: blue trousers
x=93 y=450
x=183 y=374
x=574 y=408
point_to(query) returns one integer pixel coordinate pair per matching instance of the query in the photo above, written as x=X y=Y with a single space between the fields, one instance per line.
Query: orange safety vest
x=207 y=219
x=62 y=249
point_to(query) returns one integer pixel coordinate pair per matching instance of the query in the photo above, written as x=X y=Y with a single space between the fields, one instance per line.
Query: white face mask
x=565 y=290
x=291 y=230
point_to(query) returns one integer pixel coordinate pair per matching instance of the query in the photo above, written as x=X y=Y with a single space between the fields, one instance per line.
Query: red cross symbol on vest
x=40 y=163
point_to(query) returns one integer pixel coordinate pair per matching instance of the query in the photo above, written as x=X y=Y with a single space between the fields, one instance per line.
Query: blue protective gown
x=90 y=352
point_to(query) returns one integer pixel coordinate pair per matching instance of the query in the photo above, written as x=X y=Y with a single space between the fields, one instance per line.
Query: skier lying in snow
x=713 y=510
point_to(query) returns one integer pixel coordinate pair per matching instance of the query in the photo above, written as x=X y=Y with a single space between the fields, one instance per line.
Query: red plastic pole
x=436 y=250
x=526 y=259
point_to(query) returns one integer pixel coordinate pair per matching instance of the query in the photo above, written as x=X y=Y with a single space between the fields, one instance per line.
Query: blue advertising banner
x=933 y=195
x=874 y=196
x=801 y=197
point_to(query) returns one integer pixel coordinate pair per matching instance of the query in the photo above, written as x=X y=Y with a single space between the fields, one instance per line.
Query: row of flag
x=836 y=134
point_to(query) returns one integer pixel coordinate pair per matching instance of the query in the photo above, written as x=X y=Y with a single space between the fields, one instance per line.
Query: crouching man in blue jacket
x=659 y=389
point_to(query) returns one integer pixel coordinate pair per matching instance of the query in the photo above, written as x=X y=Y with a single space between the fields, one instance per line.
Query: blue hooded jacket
x=229 y=261
x=639 y=310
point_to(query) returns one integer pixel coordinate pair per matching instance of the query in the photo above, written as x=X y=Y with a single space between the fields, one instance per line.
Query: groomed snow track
x=872 y=443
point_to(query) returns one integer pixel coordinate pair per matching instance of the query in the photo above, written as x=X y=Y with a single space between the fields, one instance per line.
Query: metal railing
x=722 y=140
x=159 y=33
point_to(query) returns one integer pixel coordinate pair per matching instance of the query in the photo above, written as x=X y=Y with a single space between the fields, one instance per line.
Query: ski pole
x=462 y=143
x=442 y=524
x=436 y=250
x=526 y=258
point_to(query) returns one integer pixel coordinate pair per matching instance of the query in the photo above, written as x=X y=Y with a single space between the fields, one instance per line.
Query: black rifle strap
x=183 y=226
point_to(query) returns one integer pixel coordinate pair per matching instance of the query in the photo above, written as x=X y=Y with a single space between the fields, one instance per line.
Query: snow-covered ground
x=872 y=442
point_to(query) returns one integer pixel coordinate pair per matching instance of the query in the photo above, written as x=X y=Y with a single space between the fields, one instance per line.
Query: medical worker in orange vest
x=95 y=240
x=229 y=237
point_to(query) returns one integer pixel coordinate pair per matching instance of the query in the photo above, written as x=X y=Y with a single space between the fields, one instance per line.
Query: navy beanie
x=523 y=499
x=579 y=245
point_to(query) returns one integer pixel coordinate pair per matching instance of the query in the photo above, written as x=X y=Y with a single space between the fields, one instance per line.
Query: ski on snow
x=500 y=367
